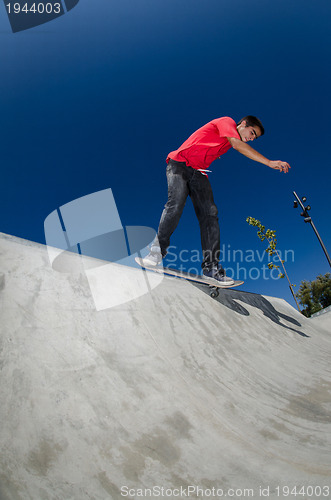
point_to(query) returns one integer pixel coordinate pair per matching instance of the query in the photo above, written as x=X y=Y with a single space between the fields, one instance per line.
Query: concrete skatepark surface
x=172 y=389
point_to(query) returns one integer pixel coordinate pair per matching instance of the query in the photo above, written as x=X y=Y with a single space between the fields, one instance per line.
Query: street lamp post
x=305 y=214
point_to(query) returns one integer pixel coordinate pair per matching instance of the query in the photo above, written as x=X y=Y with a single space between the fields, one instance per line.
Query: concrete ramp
x=169 y=395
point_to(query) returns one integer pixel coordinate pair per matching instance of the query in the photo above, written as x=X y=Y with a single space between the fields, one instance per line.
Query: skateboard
x=214 y=288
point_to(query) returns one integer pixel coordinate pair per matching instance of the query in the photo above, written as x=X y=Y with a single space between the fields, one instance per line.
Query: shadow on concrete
x=229 y=298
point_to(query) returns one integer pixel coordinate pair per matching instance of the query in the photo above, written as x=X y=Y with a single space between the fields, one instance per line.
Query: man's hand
x=246 y=150
x=282 y=166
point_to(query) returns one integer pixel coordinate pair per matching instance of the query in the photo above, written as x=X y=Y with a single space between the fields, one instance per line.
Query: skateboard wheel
x=214 y=294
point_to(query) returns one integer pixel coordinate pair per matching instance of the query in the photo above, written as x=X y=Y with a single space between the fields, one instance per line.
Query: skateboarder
x=187 y=176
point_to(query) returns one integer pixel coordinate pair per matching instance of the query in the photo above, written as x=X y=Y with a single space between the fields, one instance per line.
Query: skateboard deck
x=188 y=276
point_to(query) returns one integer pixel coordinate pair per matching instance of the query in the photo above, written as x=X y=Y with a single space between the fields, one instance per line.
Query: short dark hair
x=252 y=121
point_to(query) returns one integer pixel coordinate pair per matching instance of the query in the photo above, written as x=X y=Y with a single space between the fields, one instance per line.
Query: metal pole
x=308 y=219
x=288 y=279
x=299 y=201
x=320 y=240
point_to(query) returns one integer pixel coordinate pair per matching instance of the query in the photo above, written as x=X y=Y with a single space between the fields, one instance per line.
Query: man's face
x=248 y=133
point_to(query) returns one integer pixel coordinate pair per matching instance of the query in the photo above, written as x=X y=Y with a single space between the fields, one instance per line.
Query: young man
x=187 y=176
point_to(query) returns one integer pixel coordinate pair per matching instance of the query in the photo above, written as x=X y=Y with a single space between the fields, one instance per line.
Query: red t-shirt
x=206 y=144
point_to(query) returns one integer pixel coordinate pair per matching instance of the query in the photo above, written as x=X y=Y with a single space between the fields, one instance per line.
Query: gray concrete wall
x=171 y=389
x=323 y=319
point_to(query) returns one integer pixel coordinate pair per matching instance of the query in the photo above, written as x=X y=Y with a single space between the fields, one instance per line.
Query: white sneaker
x=154 y=258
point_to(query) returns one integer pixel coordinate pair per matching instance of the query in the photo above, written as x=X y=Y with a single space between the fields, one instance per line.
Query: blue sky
x=98 y=97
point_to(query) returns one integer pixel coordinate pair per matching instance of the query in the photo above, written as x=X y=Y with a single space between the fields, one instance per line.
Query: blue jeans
x=184 y=181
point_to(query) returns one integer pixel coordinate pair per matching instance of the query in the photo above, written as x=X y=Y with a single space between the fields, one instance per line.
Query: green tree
x=315 y=295
x=270 y=236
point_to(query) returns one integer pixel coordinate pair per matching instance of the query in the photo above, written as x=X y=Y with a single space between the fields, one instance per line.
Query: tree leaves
x=315 y=295
x=270 y=236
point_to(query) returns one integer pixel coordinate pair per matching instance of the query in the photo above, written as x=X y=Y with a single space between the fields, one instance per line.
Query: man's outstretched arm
x=246 y=150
